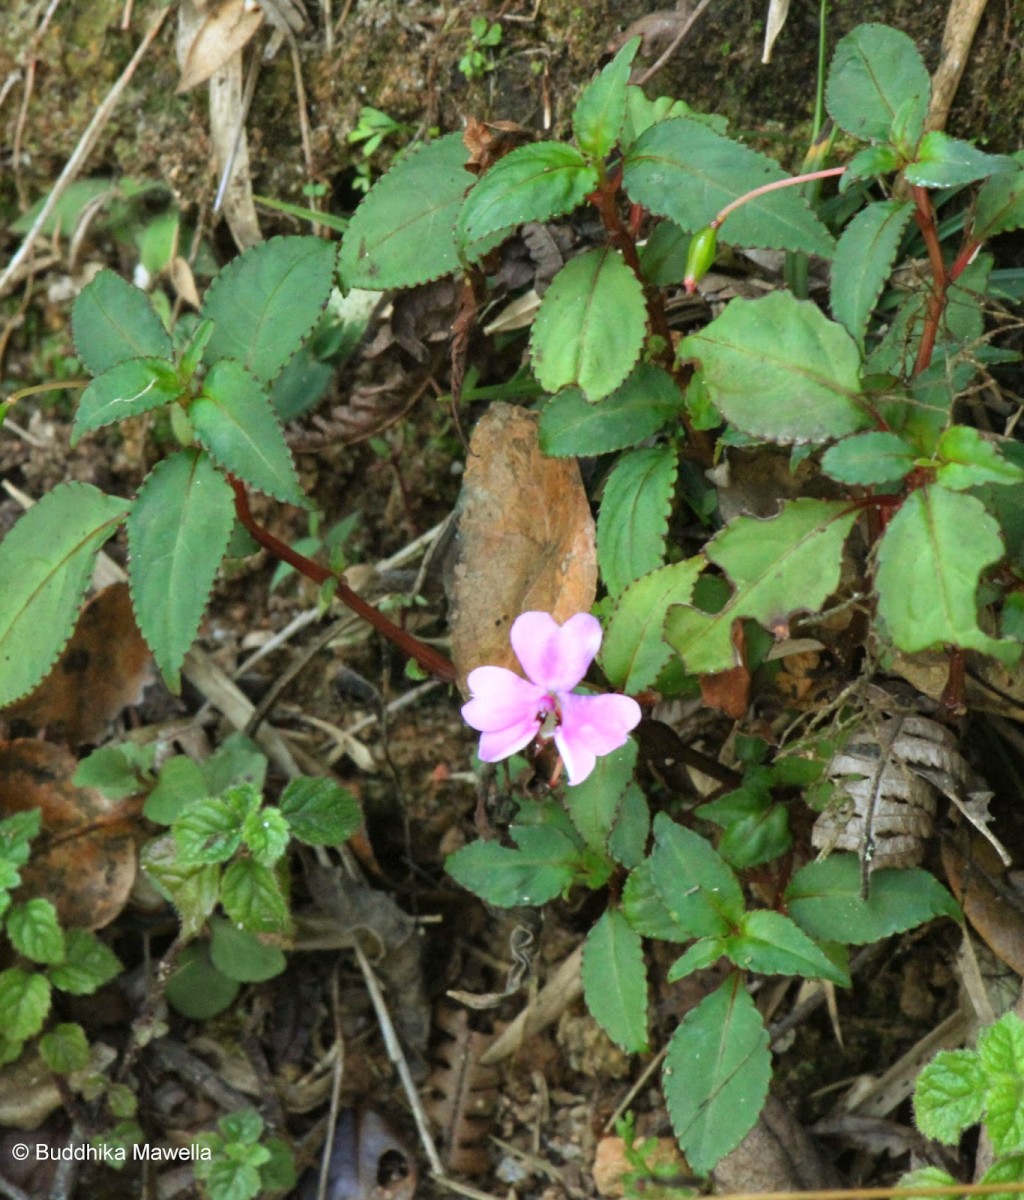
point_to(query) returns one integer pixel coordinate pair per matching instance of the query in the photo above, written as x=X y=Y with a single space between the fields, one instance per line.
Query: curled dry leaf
x=85 y=858
x=526 y=540
x=977 y=878
x=222 y=32
x=105 y=667
x=462 y=1094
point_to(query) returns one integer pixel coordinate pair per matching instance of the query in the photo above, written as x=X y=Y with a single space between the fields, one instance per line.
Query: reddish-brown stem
x=964 y=259
x=427 y=657
x=924 y=215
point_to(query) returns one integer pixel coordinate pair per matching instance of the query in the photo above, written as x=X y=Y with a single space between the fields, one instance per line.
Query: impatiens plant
x=510 y=712
x=913 y=522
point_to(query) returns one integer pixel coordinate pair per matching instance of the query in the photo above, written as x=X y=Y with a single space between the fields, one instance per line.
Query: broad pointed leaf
x=771 y=944
x=633 y=521
x=594 y=803
x=402 y=234
x=968 y=460
x=178 y=531
x=601 y=109
x=615 y=981
x=696 y=886
x=780 y=370
x=45 y=564
x=943 y=161
x=590 y=327
x=878 y=85
x=535 y=872
x=869 y=459
x=780 y=566
x=683 y=170
x=999 y=205
x=233 y=420
x=863 y=260
x=125 y=390
x=112 y=321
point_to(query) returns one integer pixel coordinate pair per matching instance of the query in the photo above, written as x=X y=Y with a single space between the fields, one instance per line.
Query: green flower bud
x=700 y=257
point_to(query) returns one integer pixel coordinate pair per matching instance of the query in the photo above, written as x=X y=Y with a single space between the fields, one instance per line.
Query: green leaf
x=949 y=1095
x=824 y=899
x=65 y=1048
x=319 y=812
x=601 y=109
x=234 y=420
x=922 y=1177
x=756 y=830
x=46 y=563
x=112 y=321
x=628 y=840
x=999 y=205
x=240 y=955
x=684 y=170
x=194 y=891
x=210 y=830
x=968 y=460
x=594 y=803
x=639 y=407
x=590 y=327
x=780 y=370
x=615 y=981
x=116 y=771
x=265 y=833
x=538 y=870
x=876 y=83
x=696 y=886
x=645 y=910
x=771 y=944
x=88 y=964
x=664 y=255
x=930 y=559
x=864 y=257
x=198 y=990
x=244 y=1126
x=704 y=953
x=716 y=1074
x=402 y=234
x=1001 y=1054
x=633 y=520
x=792 y=559
x=870 y=459
x=1008 y=1170
x=238 y=760
x=277 y=1174
x=634 y=651
x=228 y=1179
x=252 y=897
x=942 y=161
x=178 y=530
x=16 y=834
x=869 y=162
x=24 y=1003
x=181 y=782
x=35 y=931
x=267 y=301
x=125 y=390
x=534 y=183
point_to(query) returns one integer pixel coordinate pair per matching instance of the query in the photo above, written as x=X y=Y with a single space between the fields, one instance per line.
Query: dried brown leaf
x=526 y=539
x=462 y=1094
x=222 y=33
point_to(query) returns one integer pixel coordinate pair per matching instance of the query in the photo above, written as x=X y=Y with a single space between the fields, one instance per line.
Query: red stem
x=924 y=215
x=427 y=657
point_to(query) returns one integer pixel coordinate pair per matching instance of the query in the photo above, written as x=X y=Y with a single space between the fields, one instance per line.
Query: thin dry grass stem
x=677 y=41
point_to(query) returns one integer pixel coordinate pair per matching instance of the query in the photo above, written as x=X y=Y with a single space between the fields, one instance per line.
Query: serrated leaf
x=756 y=830
x=539 y=869
x=240 y=955
x=24 y=1003
x=210 y=830
x=1001 y=1055
x=46 y=562
x=238 y=760
x=534 y=183
x=704 y=953
x=942 y=161
x=116 y=771
x=35 y=931
x=615 y=981
x=716 y=1074
x=869 y=459
x=590 y=326
x=198 y=990
x=696 y=886
x=234 y=420
x=864 y=257
x=134 y=386
x=949 y=1095
x=871 y=161
x=792 y=559
x=178 y=530
x=194 y=891
x=252 y=897
x=88 y=964
x=930 y=559
x=1009 y=1170
x=265 y=833
x=634 y=651
x=633 y=520
x=319 y=812
x=600 y=111
x=112 y=321
x=628 y=840
x=771 y=944
x=402 y=234
x=645 y=910
x=571 y=426
x=999 y=205
x=824 y=898
x=594 y=803
x=877 y=77
x=181 y=783
x=663 y=256
x=967 y=460
x=65 y=1048
x=266 y=302
x=780 y=370
x=684 y=170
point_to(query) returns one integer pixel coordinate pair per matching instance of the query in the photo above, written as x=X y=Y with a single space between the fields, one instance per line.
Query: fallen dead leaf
x=222 y=32
x=977 y=878
x=526 y=539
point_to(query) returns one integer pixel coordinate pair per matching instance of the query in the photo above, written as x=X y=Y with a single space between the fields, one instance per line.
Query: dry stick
x=676 y=42
x=82 y=151
x=884 y=1193
x=961 y=25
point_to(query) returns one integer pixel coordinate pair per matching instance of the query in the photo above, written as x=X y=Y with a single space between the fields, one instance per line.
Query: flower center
x=549 y=716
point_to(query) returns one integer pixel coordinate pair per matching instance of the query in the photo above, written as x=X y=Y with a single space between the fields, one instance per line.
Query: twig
x=82 y=151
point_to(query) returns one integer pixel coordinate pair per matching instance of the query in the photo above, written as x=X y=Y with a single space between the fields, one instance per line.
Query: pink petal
x=579 y=761
x=555 y=656
x=592 y=726
x=500 y=699
x=504 y=742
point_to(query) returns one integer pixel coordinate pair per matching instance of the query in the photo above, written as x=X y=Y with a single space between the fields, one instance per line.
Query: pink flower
x=511 y=711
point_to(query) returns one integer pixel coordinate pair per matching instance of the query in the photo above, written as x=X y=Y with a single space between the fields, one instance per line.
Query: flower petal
x=600 y=723
x=555 y=656
x=504 y=742
x=579 y=761
x=501 y=699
